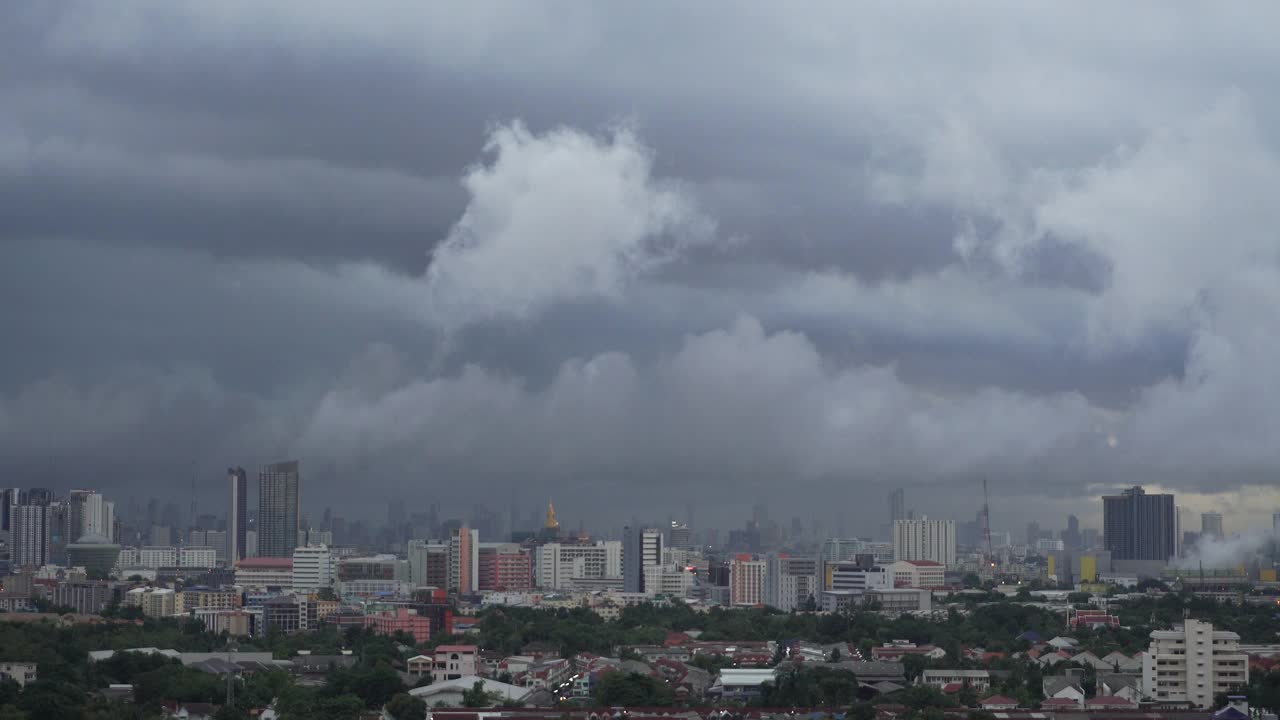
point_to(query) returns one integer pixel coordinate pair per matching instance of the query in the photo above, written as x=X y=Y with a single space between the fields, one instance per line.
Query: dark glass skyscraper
x=1138 y=526
x=237 y=514
x=278 y=509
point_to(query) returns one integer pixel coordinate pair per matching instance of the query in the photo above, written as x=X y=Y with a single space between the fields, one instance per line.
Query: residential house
x=979 y=680
x=454 y=661
x=19 y=672
x=1063 y=687
x=1128 y=687
x=998 y=702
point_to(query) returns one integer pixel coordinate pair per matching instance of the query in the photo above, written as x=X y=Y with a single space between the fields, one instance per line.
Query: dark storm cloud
x=593 y=250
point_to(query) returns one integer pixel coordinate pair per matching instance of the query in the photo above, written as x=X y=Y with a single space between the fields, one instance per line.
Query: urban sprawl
x=258 y=612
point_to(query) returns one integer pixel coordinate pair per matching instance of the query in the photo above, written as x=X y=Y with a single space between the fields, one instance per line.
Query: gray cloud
x=831 y=250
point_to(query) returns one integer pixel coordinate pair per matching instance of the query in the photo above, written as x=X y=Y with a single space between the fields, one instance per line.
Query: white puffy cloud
x=556 y=217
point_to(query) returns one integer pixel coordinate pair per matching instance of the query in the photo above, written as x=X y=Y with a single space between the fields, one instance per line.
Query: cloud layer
x=828 y=252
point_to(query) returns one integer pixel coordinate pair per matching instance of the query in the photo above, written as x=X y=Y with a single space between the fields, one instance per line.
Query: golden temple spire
x=551 y=523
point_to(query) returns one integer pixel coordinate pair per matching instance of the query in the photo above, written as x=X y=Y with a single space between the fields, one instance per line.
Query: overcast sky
x=634 y=256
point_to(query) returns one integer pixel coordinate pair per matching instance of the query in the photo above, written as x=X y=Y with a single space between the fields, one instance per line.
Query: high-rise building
x=790 y=581
x=681 y=537
x=464 y=560
x=1211 y=525
x=237 y=514
x=1193 y=663
x=278 y=509
x=30 y=535
x=1071 y=536
x=8 y=500
x=1138 y=526
x=641 y=547
x=925 y=539
x=37 y=496
x=557 y=565
x=428 y=564
x=897 y=505
x=77 y=501
x=746 y=580
x=61 y=534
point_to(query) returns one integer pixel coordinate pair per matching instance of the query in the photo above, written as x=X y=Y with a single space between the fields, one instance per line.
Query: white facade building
x=918 y=574
x=925 y=540
x=198 y=557
x=668 y=580
x=158 y=556
x=312 y=568
x=746 y=580
x=1193 y=662
x=789 y=582
x=849 y=576
x=556 y=565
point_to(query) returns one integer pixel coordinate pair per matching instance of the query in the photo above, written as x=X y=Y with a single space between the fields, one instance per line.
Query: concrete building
x=390 y=622
x=158 y=556
x=455 y=661
x=30 y=535
x=313 y=568
x=746 y=580
x=95 y=553
x=925 y=539
x=1211 y=525
x=428 y=564
x=1192 y=663
x=278 y=509
x=900 y=600
x=198 y=557
x=22 y=673
x=88 y=598
x=155 y=602
x=464 y=560
x=641 y=547
x=266 y=573
x=237 y=514
x=668 y=580
x=1138 y=526
x=504 y=566
x=918 y=574
x=852 y=576
x=558 y=565
x=790 y=582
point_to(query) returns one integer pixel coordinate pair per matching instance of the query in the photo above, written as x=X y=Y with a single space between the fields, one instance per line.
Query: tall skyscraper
x=1211 y=525
x=641 y=547
x=464 y=560
x=237 y=511
x=1071 y=536
x=278 y=509
x=8 y=500
x=925 y=539
x=30 y=535
x=897 y=506
x=1138 y=526
x=37 y=496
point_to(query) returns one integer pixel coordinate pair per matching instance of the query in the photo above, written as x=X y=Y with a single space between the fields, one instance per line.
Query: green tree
x=404 y=706
x=476 y=697
x=619 y=689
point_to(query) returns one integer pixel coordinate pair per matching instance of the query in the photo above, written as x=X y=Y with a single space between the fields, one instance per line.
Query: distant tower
x=551 y=528
x=278 y=509
x=237 y=514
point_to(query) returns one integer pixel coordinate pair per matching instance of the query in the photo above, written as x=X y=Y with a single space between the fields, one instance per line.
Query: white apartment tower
x=312 y=568
x=1193 y=662
x=925 y=539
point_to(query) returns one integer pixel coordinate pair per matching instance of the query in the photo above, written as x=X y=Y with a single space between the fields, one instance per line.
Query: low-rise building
x=979 y=680
x=455 y=661
x=154 y=602
x=22 y=673
x=265 y=572
x=404 y=620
